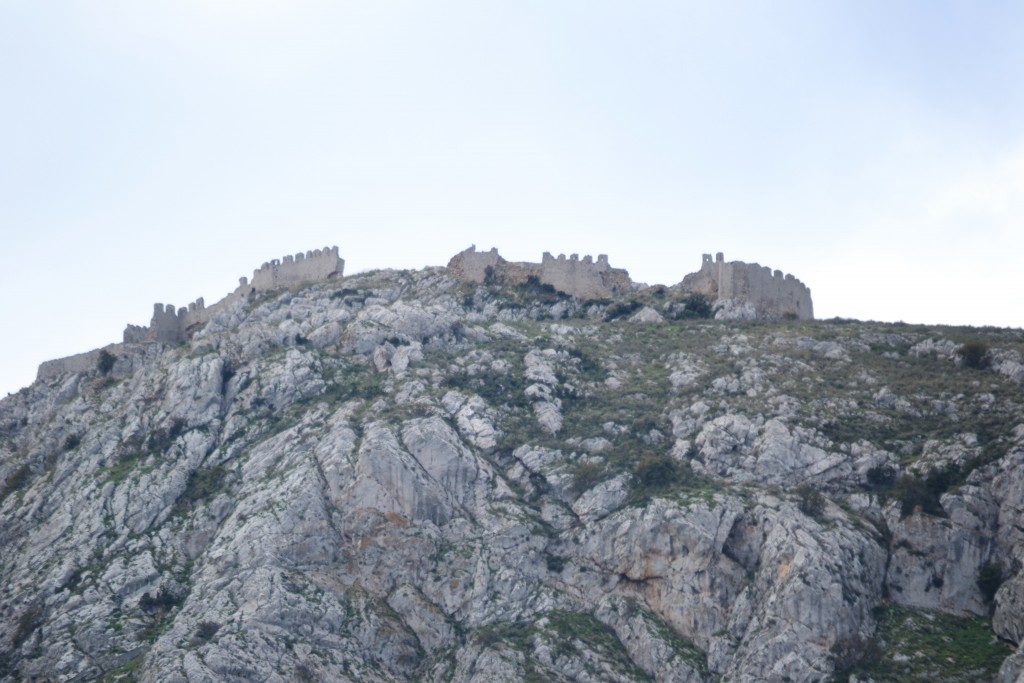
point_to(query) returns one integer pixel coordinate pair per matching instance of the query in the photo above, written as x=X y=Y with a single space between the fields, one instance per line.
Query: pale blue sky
x=156 y=151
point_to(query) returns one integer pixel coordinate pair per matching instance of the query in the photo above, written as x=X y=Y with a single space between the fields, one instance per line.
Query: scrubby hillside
x=398 y=477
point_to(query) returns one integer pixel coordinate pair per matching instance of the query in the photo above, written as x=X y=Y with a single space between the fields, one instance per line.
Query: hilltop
x=413 y=475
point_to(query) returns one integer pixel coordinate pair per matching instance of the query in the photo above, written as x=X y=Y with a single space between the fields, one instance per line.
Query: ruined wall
x=172 y=326
x=771 y=293
x=81 y=362
x=313 y=266
x=583 y=278
x=471 y=265
x=586 y=279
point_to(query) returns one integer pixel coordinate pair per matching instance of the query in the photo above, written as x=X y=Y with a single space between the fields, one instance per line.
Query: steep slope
x=396 y=476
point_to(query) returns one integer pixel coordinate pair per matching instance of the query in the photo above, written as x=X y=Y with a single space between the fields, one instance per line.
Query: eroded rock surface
x=396 y=476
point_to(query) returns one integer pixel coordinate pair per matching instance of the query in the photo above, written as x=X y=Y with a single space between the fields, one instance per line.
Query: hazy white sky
x=156 y=151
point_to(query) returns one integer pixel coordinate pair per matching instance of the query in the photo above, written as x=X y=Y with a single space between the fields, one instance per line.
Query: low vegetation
x=921 y=645
x=975 y=354
x=105 y=362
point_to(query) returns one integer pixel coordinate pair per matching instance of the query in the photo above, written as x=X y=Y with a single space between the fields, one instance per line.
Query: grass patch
x=566 y=631
x=356 y=382
x=496 y=388
x=596 y=635
x=586 y=475
x=123 y=466
x=129 y=672
x=203 y=483
x=921 y=645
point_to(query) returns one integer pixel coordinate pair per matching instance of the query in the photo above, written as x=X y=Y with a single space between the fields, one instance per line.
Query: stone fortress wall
x=768 y=294
x=80 y=362
x=772 y=294
x=170 y=325
x=583 y=278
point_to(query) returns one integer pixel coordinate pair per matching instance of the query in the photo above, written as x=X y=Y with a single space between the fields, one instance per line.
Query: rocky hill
x=400 y=476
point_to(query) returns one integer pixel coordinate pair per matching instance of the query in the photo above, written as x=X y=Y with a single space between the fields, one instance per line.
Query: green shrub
x=811 y=502
x=589 y=368
x=159 y=440
x=990 y=577
x=164 y=601
x=620 y=309
x=18 y=480
x=926 y=492
x=881 y=476
x=203 y=484
x=541 y=292
x=656 y=472
x=586 y=476
x=697 y=306
x=72 y=442
x=920 y=645
x=206 y=630
x=496 y=388
x=227 y=371
x=105 y=362
x=975 y=354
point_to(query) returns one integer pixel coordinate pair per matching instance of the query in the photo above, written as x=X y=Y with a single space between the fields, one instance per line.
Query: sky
x=157 y=151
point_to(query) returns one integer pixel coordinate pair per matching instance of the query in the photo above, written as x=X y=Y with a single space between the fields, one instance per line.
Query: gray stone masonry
x=172 y=325
x=773 y=295
x=586 y=278
x=168 y=325
x=80 y=362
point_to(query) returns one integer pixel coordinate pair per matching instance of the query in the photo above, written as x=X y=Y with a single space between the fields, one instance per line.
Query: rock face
x=401 y=476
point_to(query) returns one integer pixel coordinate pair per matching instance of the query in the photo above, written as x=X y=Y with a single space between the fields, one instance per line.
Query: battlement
x=175 y=325
x=311 y=266
x=773 y=294
x=584 y=278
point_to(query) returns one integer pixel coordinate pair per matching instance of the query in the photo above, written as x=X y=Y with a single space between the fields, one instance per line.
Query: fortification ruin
x=170 y=325
x=747 y=286
x=733 y=286
x=583 y=278
x=772 y=294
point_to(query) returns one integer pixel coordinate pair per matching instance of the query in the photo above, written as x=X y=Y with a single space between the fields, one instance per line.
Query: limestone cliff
x=400 y=476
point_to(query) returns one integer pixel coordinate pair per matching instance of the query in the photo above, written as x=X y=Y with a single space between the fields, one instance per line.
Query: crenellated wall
x=170 y=325
x=312 y=266
x=583 y=278
x=772 y=294
x=769 y=294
